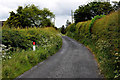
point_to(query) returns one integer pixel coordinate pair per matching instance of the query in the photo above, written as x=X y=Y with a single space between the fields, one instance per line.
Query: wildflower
x=1 y=50
x=4 y=53
x=9 y=57
x=3 y=46
x=116 y=53
x=117 y=57
x=3 y=56
x=9 y=45
x=6 y=49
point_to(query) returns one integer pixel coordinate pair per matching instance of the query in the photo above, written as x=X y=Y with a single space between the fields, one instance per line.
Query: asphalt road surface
x=73 y=60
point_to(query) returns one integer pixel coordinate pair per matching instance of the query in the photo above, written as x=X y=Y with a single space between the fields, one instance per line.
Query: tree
x=63 y=29
x=116 y=5
x=68 y=23
x=100 y=8
x=82 y=14
x=87 y=12
x=30 y=15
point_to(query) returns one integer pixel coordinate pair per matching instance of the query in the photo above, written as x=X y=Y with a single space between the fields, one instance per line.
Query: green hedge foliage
x=93 y=21
x=14 y=63
x=102 y=36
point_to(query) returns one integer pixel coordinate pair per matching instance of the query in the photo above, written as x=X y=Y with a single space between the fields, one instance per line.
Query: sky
x=61 y=8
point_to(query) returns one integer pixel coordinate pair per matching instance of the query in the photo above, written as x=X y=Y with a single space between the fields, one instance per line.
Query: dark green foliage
x=16 y=39
x=48 y=42
x=63 y=31
x=100 y=8
x=87 y=12
x=82 y=14
x=29 y=16
x=93 y=21
x=72 y=28
x=23 y=38
x=68 y=23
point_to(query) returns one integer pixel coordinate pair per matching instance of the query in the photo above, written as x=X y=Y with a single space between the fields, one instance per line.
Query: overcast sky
x=61 y=8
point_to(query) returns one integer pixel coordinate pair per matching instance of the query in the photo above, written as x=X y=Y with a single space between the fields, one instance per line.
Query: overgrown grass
x=103 y=39
x=48 y=41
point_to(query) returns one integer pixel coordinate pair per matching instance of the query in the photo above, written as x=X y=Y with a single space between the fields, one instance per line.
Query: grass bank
x=103 y=39
x=17 y=54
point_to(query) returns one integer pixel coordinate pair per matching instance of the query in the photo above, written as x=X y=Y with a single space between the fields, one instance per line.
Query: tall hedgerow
x=104 y=41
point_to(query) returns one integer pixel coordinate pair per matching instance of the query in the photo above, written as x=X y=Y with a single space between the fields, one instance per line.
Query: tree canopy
x=30 y=15
x=68 y=23
x=63 y=31
x=116 y=5
x=87 y=12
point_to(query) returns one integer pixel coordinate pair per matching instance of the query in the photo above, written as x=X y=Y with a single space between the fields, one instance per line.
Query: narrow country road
x=73 y=60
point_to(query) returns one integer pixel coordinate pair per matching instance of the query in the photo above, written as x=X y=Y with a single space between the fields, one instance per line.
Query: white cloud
x=61 y=8
x=4 y=12
x=61 y=20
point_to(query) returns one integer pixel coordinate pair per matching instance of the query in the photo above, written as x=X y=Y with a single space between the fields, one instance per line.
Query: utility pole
x=101 y=0
x=54 y=21
x=108 y=0
x=72 y=15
